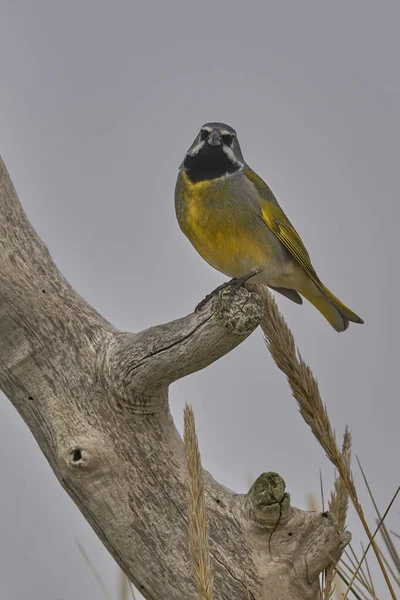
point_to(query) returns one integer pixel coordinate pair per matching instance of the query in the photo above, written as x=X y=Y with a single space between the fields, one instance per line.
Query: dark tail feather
x=291 y=294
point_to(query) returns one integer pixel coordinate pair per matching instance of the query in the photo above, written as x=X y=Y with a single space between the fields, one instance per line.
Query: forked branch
x=96 y=400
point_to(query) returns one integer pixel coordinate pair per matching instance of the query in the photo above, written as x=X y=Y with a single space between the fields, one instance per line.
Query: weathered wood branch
x=96 y=400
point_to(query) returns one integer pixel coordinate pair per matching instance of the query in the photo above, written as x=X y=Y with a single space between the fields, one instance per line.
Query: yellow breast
x=220 y=235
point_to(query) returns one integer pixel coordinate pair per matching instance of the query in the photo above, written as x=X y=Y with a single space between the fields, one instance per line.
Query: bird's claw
x=234 y=284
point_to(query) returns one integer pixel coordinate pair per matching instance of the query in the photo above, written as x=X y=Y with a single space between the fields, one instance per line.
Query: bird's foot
x=205 y=300
x=234 y=284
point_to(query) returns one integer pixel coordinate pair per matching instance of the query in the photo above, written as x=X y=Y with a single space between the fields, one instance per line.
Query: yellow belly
x=223 y=242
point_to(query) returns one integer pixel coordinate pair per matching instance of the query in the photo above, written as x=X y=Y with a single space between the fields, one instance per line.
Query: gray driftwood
x=96 y=400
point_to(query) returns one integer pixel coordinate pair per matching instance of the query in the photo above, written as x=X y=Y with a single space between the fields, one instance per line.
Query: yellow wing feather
x=337 y=313
x=276 y=220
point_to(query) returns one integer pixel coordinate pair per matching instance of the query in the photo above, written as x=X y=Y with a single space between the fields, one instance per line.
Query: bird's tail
x=334 y=311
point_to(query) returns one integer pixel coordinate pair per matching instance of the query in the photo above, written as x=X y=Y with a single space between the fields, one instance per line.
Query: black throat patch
x=210 y=163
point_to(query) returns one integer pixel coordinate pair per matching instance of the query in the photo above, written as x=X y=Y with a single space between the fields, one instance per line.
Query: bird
x=235 y=223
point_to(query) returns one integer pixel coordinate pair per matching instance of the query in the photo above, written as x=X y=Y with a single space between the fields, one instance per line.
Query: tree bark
x=96 y=400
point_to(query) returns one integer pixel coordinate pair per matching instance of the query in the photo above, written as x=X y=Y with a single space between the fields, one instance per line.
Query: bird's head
x=214 y=153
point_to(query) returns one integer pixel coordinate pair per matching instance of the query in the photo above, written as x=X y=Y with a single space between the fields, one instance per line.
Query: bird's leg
x=202 y=304
x=234 y=284
x=239 y=281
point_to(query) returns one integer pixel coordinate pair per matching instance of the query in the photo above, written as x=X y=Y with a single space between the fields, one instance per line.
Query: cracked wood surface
x=96 y=400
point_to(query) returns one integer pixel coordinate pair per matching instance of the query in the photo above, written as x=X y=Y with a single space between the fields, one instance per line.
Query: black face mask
x=210 y=162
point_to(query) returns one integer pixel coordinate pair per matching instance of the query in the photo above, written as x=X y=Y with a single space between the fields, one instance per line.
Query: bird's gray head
x=214 y=153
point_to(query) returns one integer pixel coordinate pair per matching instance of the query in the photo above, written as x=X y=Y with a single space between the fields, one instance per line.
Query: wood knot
x=268 y=501
x=84 y=456
x=79 y=458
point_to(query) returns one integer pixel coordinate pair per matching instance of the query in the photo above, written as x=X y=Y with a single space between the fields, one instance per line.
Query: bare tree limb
x=96 y=400
x=149 y=361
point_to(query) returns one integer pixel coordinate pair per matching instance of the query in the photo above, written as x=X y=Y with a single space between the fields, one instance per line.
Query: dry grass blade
x=350 y=568
x=338 y=593
x=361 y=575
x=132 y=591
x=93 y=569
x=305 y=390
x=198 y=534
x=370 y=581
x=123 y=586
x=322 y=491
x=339 y=501
x=390 y=546
x=370 y=544
x=354 y=589
x=338 y=506
x=384 y=531
x=393 y=574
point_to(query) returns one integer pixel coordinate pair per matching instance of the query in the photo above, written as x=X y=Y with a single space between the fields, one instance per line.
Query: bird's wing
x=276 y=220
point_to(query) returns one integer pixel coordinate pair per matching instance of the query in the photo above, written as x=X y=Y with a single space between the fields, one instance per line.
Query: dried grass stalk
x=339 y=501
x=371 y=543
x=384 y=531
x=304 y=386
x=197 y=522
x=338 y=506
x=123 y=586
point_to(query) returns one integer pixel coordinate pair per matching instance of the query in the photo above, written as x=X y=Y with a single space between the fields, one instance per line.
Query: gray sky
x=98 y=103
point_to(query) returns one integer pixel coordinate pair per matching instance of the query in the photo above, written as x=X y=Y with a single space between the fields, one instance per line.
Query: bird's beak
x=214 y=139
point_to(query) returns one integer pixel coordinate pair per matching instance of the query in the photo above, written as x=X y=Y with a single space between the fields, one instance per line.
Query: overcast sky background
x=98 y=103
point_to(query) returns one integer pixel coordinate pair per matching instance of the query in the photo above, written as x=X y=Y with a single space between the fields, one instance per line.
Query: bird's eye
x=227 y=138
x=204 y=134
